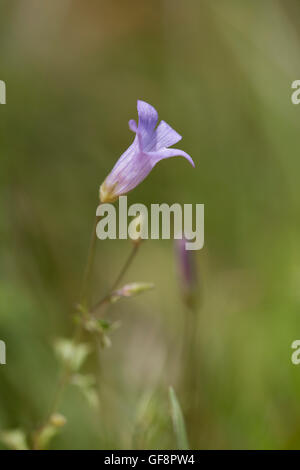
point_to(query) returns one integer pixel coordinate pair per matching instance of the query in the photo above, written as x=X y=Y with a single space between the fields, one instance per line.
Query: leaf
x=178 y=421
x=105 y=325
x=14 y=439
x=49 y=431
x=57 y=420
x=45 y=436
x=86 y=383
x=71 y=354
x=96 y=325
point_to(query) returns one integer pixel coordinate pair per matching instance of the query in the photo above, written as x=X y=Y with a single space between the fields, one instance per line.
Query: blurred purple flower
x=148 y=148
x=186 y=267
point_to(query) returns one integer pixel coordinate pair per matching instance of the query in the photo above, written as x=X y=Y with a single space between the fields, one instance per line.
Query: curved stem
x=120 y=276
x=126 y=266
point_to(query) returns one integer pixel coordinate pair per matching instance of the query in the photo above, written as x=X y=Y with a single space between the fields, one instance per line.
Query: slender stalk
x=84 y=298
x=120 y=276
x=84 y=307
x=65 y=377
x=126 y=266
x=89 y=267
x=66 y=372
x=190 y=368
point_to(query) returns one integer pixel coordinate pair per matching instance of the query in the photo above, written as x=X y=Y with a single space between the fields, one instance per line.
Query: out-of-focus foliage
x=220 y=72
x=178 y=421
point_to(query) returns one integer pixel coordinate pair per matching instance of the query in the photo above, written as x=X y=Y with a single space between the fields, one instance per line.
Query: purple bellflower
x=148 y=148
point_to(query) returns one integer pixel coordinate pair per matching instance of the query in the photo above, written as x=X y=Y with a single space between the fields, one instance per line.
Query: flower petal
x=148 y=148
x=133 y=125
x=129 y=171
x=148 y=118
x=167 y=153
x=166 y=136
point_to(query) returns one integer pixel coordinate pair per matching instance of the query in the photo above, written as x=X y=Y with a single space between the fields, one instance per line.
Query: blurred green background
x=220 y=73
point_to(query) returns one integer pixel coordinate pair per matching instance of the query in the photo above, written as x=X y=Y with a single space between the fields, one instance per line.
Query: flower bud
x=57 y=420
x=130 y=290
x=186 y=268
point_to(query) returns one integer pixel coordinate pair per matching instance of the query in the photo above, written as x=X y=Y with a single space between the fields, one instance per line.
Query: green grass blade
x=178 y=421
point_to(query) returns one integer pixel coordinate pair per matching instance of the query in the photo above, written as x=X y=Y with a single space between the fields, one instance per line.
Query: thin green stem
x=67 y=372
x=84 y=308
x=190 y=368
x=120 y=276
x=126 y=266
x=65 y=376
x=84 y=298
x=88 y=268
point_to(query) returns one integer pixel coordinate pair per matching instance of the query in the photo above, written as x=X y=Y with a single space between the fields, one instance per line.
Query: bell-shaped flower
x=151 y=144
